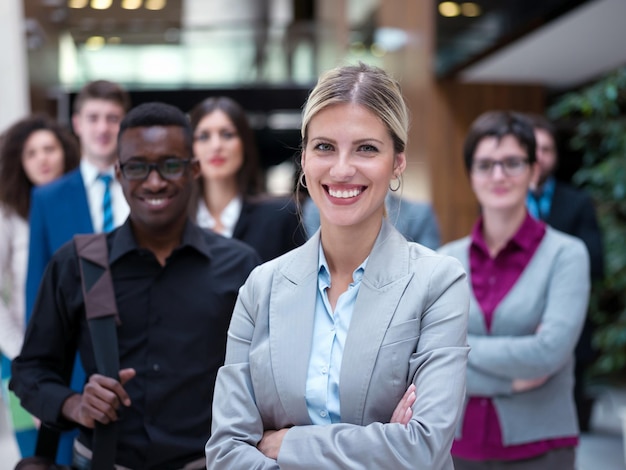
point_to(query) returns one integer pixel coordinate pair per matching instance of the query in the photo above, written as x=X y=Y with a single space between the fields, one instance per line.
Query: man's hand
x=271 y=441
x=100 y=400
x=403 y=412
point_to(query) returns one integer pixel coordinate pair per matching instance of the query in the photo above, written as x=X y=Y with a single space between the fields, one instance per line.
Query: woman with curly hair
x=33 y=151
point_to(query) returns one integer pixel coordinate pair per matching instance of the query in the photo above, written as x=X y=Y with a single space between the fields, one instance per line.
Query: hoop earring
x=301 y=181
x=397 y=178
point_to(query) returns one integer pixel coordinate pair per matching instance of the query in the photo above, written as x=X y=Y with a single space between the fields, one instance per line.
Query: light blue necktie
x=107 y=208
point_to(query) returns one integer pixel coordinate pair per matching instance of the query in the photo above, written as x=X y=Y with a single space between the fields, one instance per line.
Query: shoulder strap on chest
x=103 y=318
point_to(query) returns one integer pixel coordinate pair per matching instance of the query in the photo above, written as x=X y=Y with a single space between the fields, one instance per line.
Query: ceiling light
x=77 y=3
x=470 y=9
x=101 y=4
x=131 y=4
x=94 y=43
x=155 y=4
x=449 y=9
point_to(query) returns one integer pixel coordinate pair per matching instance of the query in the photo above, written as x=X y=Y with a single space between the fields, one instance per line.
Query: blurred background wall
x=454 y=60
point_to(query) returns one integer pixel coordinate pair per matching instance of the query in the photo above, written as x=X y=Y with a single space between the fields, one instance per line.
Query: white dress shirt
x=230 y=216
x=95 y=193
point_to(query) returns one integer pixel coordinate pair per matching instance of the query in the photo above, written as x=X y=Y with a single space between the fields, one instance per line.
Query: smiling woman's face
x=348 y=162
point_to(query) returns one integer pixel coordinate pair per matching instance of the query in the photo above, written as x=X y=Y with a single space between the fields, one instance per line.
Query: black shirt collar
x=123 y=240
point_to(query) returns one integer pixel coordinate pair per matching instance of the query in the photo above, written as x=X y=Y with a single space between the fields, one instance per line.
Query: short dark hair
x=157 y=114
x=102 y=90
x=541 y=122
x=500 y=124
x=248 y=176
x=15 y=187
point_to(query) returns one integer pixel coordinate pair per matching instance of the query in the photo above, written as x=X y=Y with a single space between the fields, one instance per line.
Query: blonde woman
x=350 y=351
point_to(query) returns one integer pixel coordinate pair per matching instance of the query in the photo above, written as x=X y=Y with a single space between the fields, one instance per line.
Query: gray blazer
x=409 y=325
x=534 y=332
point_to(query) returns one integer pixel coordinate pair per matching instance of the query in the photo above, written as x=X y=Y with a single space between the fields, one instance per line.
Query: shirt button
x=324 y=370
x=156 y=367
x=323 y=413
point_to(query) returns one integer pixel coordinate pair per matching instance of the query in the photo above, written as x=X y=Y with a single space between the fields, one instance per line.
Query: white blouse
x=230 y=216
x=13 y=260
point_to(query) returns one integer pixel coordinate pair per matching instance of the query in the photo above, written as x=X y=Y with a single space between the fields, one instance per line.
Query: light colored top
x=94 y=188
x=330 y=330
x=230 y=216
x=408 y=326
x=13 y=259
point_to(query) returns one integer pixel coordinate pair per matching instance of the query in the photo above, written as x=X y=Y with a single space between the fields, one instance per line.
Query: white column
x=14 y=96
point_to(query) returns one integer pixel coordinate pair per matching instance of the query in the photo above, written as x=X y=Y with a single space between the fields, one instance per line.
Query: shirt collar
x=229 y=217
x=90 y=172
x=525 y=238
x=547 y=190
x=124 y=240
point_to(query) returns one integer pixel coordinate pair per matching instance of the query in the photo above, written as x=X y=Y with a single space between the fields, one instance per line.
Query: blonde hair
x=364 y=85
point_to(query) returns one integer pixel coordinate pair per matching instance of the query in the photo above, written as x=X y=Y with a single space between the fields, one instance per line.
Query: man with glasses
x=175 y=287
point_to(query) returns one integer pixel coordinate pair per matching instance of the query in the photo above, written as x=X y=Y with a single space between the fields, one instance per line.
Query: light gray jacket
x=533 y=334
x=409 y=325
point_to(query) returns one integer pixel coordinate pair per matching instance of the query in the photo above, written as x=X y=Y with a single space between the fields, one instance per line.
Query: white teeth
x=155 y=202
x=344 y=194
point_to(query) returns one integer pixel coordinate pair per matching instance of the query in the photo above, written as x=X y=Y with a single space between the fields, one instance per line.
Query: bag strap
x=103 y=318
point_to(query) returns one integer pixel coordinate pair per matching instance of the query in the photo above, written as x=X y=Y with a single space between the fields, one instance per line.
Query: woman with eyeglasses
x=530 y=289
x=229 y=197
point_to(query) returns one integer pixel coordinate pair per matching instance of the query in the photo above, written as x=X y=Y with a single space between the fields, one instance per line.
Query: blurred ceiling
x=568 y=51
x=556 y=43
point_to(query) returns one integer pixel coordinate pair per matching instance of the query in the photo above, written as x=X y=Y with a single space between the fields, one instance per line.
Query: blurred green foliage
x=598 y=115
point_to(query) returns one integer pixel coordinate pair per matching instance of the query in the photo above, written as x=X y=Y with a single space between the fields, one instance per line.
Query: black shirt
x=174 y=320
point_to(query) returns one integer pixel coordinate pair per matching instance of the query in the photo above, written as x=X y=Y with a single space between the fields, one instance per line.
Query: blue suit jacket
x=58 y=211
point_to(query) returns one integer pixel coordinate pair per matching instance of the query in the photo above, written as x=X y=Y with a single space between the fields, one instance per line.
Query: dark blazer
x=270 y=225
x=572 y=211
x=58 y=211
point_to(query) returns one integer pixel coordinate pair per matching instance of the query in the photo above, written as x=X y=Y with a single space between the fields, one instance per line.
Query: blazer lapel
x=384 y=281
x=291 y=312
x=241 y=227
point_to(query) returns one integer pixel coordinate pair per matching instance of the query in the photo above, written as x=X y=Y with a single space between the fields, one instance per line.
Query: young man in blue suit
x=75 y=203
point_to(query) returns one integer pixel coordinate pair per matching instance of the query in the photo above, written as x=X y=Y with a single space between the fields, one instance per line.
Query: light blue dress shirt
x=330 y=330
x=539 y=204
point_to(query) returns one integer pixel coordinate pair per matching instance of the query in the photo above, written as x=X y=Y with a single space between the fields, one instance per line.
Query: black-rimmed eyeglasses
x=169 y=169
x=511 y=166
